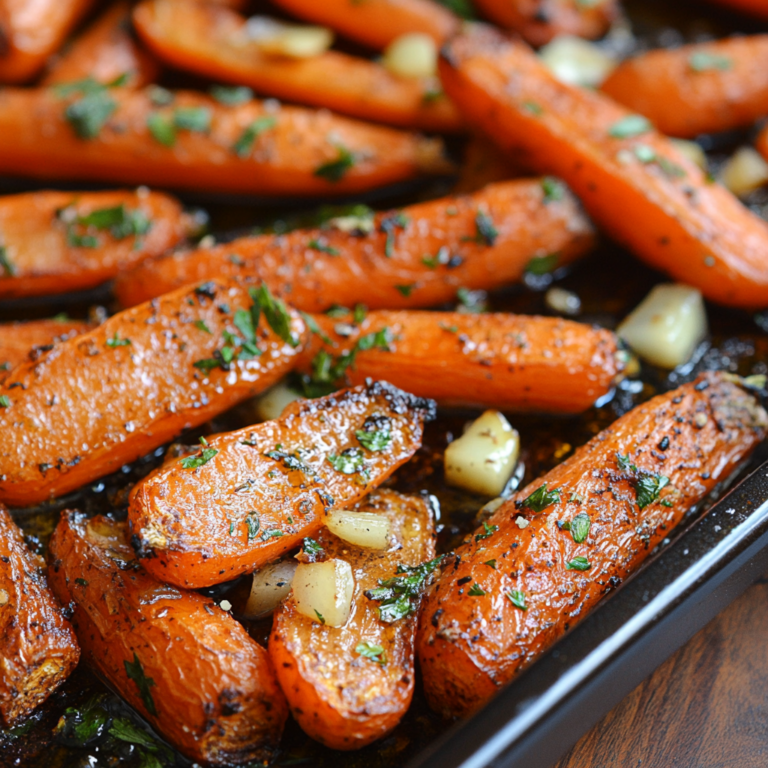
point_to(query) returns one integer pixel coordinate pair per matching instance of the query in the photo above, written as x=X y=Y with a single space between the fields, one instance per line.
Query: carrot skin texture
x=681 y=223
x=20 y=342
x=710 y=427
x=38 y=648
x=213 y=692
x=338 y=697
x=368 y=268
x=44 y=261
x=213 y=41
x=244 y=508
x=102 y=399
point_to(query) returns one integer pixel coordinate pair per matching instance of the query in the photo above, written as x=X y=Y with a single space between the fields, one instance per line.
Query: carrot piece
x=125 y=136
x=633 y=181
x=416 y=257
x=267 y=487
x=757 y=8
x=213 y=41
x=510 y=362
x=20 y=342
x=483 y=164
x=102 y=399
x=56 y=242
x=37 y=645
x=183 y=663
x=538 y=21
x=762 y=142
x=339 y=696
x=377 y=23
x=105 y=52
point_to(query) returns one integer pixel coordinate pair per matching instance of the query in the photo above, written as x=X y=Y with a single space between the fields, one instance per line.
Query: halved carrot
x=702 y=88
x=254 y=494
x=510 y=362
x=38 y=648
x=551 y=552
x=633 y=181
x=348 y=686
x=194 y=142
x=56 y=242
x=752 y=7
x=105 y=52
x=20 y=342
x=102 y=399
x=214 y=41
x=183 y=663
x=417 y=257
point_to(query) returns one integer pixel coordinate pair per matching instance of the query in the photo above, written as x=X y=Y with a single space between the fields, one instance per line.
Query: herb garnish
x=471 y=302
x=580 y=526
x=648 y=488
x=253 y=523
x=312 y=550
x=629 y=126
x=335 y=170
x=465 y=9
x=517 y=597
x=5 y=401
x=135 y=672
x=5 y=264
x=579 y=563
x=476 y=590
x=244 y=144
x=398 y=596
x=540 y=499
x=88 y=114
x=375 y=434
x=701 y=61
x=79 y=726
x=542 y=265
x=389 y=225
x=405 y=290
x=316 y=244
x=488 y=530
x=320 y=616
x=161 y=128
x=203 y=456
x=486 y=231
x=229 y=95
x=373 y=652
x=116 y=341
x=275 y=312
x=349 y=462
x=553 y=188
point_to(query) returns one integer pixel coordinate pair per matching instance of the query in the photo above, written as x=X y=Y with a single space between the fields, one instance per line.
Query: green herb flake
x=89 y=114
x=162 y=128
x=701 y=61
x=316 y=244
x=398 y=596
x=644 y=153
x=580 y=526
x=348 y=462
x=320 y=616
x=135 y=672
x=201 y=326
x=648 y=488
x=359 y=313
x=335 y=170
x=553 y=189
x=405 y=290
x=542 y=265
x=80 y=726
x=488 y=530
x=533 y=107
x=375 y=439
x=312 y=549
x=389 y=225
x=275 y=312
x=252 y=523
x=486 y=231
x=116 y=341
x=200 y=458
x=476 y=590
x=464 y=9
x=231 y=96
x=490 y=564
x=75 y=240
x=196 y=119
x=471 y=302
x=5 y=401
x=540 y=499
x=81 y=582
x=5 y=263
x=666 y=503
x=373 y=652
x=243 y=146
x=579 y=563
x=631 y=125
x=517 y=598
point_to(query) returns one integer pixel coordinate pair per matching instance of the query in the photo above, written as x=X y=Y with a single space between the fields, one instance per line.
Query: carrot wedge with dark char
x=38 y=649
x=56 y=242
x=339 y=696
x=510 y=362
x=126 y=136
x=417 y=257
x=633 y=181
x=102 y=399
x=20 y=342
x=214 y=41
x=563 y=542
x=258 y=492
x=183 y=663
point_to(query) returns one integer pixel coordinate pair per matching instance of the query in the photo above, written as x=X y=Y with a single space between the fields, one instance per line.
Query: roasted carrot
x=681 y=223
x=510 y=362
x=126 y=136
x=56 y=242
x=20 y=342
x=183 y=663
x=38 y=649
x=348 y=686
x=213 y=41
x=105 y=52
x=102 y=399
x=757 y=8
x=762 y=142
x=483 y=164
x=550 y=553
x=417 y=257
x=256 y=493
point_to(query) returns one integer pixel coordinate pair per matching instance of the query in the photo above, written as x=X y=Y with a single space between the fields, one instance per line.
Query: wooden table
x=705 y=707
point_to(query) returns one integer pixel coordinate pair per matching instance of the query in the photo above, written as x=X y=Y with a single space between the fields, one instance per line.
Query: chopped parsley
x=312 y=549
x=648 y=488
x=476 y=590
x=398 y=596
x=243 y=146
x=540 y=499
x=161 y=128
x=320 y=616
x=490 y=564
x=631 y=125
x=349 y=462
x=316 y=244
x=486 y=231
x=553 y=188
x=701 y=61
x=252 y=524
x=488 y=530
x=196 y=119
x=517 y=598
x=465 y=9
x=88 y=114
x=79 y=726
x=229 y=95
x=533 y=107
x=5 y=401
x=389 y=225
x=156 y=754
x=580 y=526
x=579 y=563
x=375 y=434
x=135 y=672
x=275 y=312
x=335 y=170
x=471 y=302
x=116 y=341
x=373 y=652
x=203 y=456
x=5 y=263
x=118 y=220
x=202 y=326
x=542 y=265
x=81 y=582
x=405 y=290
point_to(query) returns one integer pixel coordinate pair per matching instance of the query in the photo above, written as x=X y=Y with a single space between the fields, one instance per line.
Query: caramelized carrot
x=38 y=649
x=681 y=223
x=56 y=242
x=213 y=41
x=102 y=399
x=416 y=257
x=20 y=342
x=348 y=686
x=757 y=8
x=259 y=491
x=183 y=663
x=762 y=142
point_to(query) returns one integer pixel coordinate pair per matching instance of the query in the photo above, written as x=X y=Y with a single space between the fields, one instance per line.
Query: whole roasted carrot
x=37 y=645
x=102 y=399
x=510 y=362
x=20 y=342
x=757 y=8
x=254 y=494
x=417 y=257
x=56 y=242
x=184 y=664
x=551 y=552
x=188 y=140
x=214 y=41
x=348 y=686
x=680 y=222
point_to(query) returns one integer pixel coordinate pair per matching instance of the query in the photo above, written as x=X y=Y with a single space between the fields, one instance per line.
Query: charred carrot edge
x=183 y=663
x=377 y=23
x=262 y=489
x=327 y=681
x=37 y=644
x=105 y=52
x=20 y=342
x=56 y=242
x=762 y=143
x=483 y=164
x=559 y=545
x=31 y=32
x=213 y=41
x=681 y=223
x=416 y=257
x=194 y=142
x=140 y=378
x=702 y=88
x=757 y=8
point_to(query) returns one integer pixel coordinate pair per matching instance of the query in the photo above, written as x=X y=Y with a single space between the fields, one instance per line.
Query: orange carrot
x=20 y=342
